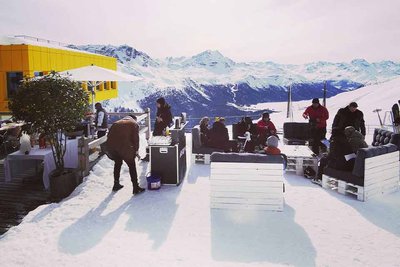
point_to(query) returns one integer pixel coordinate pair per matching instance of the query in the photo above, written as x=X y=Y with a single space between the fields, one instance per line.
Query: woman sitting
x=204 y=131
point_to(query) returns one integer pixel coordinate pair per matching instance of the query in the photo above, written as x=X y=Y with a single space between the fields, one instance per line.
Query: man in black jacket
x=164 y=117
x=349 y=116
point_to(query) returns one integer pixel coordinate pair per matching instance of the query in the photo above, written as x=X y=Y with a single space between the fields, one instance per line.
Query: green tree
x=53 y=105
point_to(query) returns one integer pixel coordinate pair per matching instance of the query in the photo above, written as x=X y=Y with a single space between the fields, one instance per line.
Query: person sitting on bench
x=219 y=137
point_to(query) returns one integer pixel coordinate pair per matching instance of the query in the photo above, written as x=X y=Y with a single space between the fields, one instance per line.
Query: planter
x=73 y=135
x=62 y=185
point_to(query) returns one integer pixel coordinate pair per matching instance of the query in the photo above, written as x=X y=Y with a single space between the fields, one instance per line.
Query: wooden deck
x=20 y=196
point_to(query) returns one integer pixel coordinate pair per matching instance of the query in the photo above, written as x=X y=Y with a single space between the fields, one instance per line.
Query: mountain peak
x=211 y=59
x=123 y=53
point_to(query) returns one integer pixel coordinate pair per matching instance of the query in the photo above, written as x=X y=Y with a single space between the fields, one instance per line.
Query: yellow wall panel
x=30 y=58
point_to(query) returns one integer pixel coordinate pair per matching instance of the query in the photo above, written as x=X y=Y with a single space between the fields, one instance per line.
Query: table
x=11 y=125
x=13 y=163
x=298 y=158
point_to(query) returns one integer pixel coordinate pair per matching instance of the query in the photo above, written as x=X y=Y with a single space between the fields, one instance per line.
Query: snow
x=175 y=226
x=377 y=96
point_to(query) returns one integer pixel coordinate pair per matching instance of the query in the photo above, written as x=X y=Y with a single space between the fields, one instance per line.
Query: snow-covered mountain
x=211 y=84
x=123 y=53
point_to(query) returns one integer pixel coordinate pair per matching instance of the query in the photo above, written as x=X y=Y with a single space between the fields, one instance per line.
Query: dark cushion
x=196 y=141
x=296 y=130
x=245 y=157
x=369 y=152
x=383 y=137
x=346 y=176
x=197 y=147
x=205 y=150
x=294 y=141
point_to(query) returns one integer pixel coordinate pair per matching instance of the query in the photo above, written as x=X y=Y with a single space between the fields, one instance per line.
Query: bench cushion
x=245 y=158
x=369 y=152
x=383 y=137
x=296 y=130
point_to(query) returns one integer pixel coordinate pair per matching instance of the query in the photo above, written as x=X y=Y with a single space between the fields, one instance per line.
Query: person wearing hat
x=265 y=128
x=350 y=116
x=272 y=146
x=163 y=117
x=317 y=116
x=219 y=137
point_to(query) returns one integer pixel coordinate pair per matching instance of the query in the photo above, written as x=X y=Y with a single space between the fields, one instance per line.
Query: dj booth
x=168 y=155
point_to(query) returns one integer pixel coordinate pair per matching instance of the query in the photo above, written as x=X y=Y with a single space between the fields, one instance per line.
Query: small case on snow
x=153 y=182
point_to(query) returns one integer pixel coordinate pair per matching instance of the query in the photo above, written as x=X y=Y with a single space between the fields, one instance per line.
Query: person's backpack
x=309 y=172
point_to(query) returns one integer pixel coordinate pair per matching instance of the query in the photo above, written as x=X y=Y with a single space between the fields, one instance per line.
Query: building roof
x=29 y=40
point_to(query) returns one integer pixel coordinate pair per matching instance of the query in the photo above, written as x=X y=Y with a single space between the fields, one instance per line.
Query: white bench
x=381 y=177
x=247 y=185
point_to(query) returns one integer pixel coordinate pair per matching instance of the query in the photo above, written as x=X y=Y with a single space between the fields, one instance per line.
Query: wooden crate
x=297 y=164
x=381 y=177
x=256 y=186
x=201 y=158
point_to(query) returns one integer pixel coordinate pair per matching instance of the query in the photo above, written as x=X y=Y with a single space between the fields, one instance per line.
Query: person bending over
x=122 y=145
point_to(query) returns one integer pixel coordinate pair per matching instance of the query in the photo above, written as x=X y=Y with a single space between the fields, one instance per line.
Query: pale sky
x=283 y=31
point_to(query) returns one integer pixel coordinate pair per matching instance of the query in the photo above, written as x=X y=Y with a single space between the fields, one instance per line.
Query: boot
x=137 y=190
x=116 y=187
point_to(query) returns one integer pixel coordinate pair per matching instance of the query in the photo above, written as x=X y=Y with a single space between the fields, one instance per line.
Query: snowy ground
x=175 y=227
x=379 y=96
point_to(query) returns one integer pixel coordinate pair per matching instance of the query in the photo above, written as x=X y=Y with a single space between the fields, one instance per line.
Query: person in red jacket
x=265 y=128
x=317 y=116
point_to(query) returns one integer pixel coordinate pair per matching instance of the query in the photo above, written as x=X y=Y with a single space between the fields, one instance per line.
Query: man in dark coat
x=164 y=117
x=101 y=120
x=350 y=116
x=339 y=147
x=122 y=145
x=317 y=116
x=219 y=137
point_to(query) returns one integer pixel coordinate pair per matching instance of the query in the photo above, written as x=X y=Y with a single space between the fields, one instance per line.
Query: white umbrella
x=95 y=76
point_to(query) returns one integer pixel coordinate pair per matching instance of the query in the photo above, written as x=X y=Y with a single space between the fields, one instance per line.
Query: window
x=105 y=85
x=13 y=81
x=38 y=73
x=113 y=85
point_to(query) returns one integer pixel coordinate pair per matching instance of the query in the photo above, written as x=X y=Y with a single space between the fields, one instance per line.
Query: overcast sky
x=284 y=31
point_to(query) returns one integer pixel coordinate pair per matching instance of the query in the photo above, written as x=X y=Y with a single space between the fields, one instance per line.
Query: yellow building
x=22 y=57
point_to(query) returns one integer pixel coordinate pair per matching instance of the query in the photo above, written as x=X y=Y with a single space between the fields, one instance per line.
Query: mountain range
x=212 y=84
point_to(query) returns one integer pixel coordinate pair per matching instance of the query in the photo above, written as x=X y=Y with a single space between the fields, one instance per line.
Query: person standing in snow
x=123 y=145
x=101 y=120
x=265 y=128
x=350 y=116
x=163 y=117
x=317 y=116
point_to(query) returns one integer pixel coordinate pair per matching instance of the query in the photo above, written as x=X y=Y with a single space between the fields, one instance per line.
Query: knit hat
x=219 y=119
x=353 y=104
x=161 y=101
x=272 y=141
